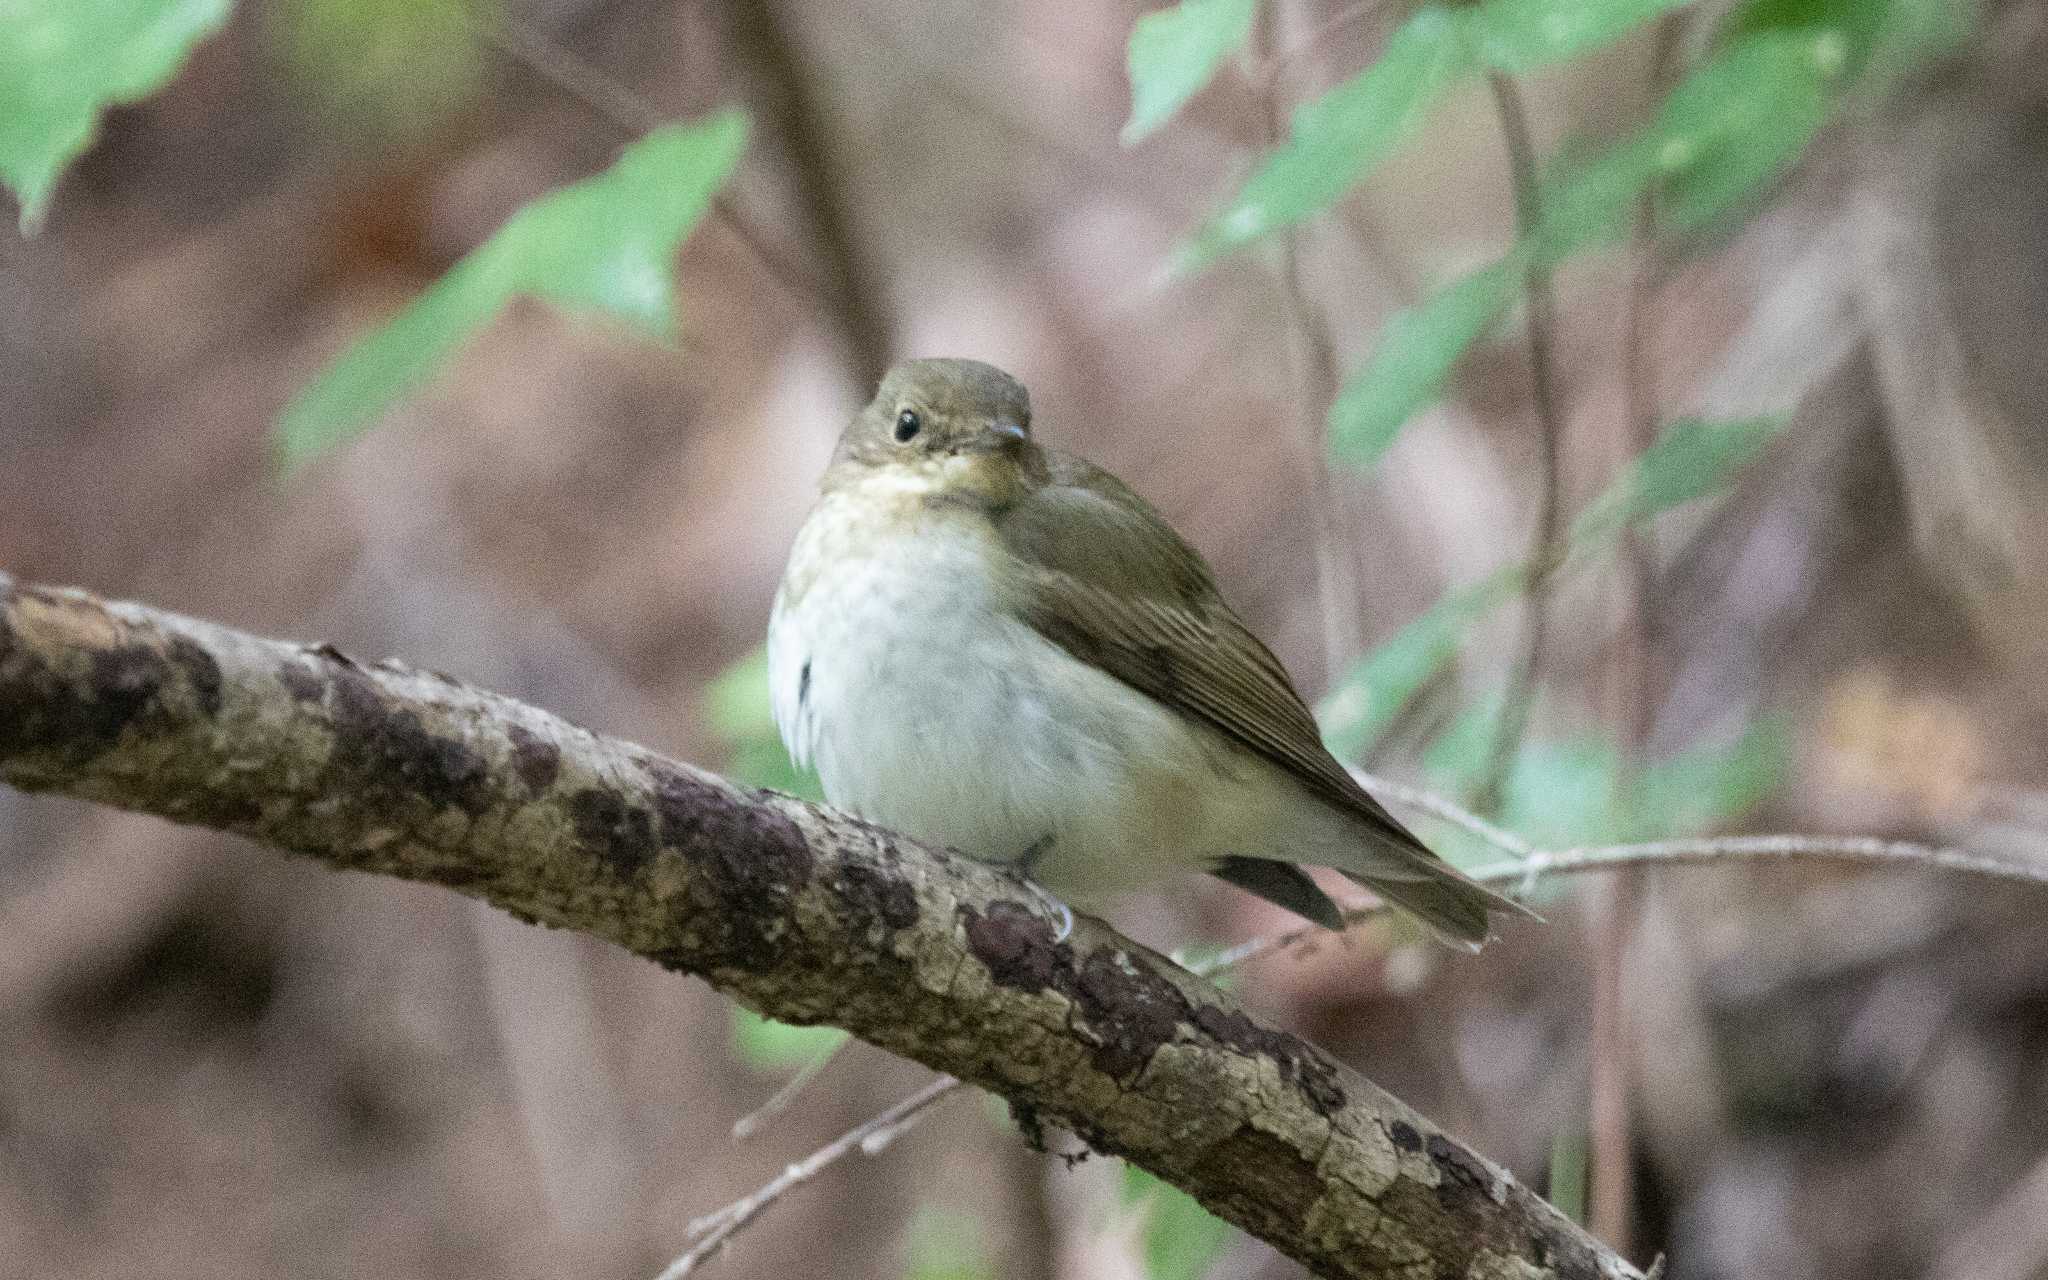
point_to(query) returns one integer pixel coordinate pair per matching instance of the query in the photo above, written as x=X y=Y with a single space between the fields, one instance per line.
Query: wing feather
x=1108 y=580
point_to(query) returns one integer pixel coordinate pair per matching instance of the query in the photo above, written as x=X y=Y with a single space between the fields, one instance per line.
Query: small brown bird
x=998 y=647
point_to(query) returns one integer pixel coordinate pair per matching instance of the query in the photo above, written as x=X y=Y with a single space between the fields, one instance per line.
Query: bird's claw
x=1062 y=915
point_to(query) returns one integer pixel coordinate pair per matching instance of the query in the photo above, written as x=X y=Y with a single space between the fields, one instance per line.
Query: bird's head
x=954 y=427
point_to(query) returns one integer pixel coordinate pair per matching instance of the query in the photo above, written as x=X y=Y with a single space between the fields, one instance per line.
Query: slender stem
x=1610 y=1142
x=869 y=1138
x=750 y=1124
x=1337 y=570
x=1277 y=61
x=761 y=36
x=1543 y=550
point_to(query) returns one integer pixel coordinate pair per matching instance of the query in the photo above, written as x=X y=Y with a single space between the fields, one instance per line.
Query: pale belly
x=926 y=709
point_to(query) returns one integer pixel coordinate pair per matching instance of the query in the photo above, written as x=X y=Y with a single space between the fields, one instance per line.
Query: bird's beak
x=999 y=435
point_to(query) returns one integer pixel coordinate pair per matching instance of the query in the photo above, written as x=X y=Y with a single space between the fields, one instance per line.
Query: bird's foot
x=1061 y=916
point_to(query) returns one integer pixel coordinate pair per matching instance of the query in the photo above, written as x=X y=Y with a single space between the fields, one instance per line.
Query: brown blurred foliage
x=220 y=1063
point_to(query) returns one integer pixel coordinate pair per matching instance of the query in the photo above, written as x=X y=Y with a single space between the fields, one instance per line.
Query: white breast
x=926 y=708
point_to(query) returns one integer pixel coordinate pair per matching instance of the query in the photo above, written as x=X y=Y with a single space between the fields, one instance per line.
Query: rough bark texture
x=803 y=914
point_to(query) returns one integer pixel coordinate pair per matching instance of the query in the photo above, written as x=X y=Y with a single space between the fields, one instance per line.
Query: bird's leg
x=1020 y=870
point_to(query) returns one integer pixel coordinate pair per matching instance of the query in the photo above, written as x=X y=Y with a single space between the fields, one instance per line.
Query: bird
x=995 y=646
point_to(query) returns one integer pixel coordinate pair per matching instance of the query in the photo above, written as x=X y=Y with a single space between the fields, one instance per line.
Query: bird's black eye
x=908 y=424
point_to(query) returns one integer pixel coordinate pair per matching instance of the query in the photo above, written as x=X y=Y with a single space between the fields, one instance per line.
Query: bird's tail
x=1454 y=907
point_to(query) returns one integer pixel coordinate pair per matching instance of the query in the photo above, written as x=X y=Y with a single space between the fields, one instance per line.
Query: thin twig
x=633 y=115
x=1523 y=871
x=760 y=1117
x=762 y=38
x=1543 y=551
x=1275 y=63
x=1337 y=570
x=1610 y=1144
x=869 y=1139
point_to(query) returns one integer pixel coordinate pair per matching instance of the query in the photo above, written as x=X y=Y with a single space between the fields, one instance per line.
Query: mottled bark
x=801 y=913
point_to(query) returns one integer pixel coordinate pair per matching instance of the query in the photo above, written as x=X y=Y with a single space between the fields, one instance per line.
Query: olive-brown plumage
x=1001 y=647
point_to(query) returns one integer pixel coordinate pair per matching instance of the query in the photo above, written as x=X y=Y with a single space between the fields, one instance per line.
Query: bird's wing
x=1107 y=579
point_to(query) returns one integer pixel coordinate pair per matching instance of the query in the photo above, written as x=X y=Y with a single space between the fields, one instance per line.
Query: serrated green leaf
x=1182 y=1240
x=1338 y=138
x=1175 y=51
x=1710 y=786
x=1693 y=457
x=1518 y=36
x=770 y=1046
x=1418 y=348
x=64 y=62
x=1365 y=699
x=603 y=244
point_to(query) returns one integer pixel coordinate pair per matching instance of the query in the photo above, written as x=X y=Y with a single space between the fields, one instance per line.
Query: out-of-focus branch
x=1337 y=570
x=759 y=32
x=1610 y=1146
x=1543 y=538
x=803 y=914
x=1527 y=864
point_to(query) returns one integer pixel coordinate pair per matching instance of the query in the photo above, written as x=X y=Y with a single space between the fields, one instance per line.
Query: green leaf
x=737 y=709
x=1366 y=699
x=385 y=72
x=946 y=1244
x=1182 y=1240
x=64 y=62
x=774 y=1047
x=603 y=244
x=1741 y=119
x=1879 y=38
x=1417 y=350
x=1729 y=127
x=1175 y=52
x=1518 y=36
x=1559 y=792
x=1567 y=1189
x=736 y=703
x=1694 y=457
x=1339 y=138
x=1710 y=786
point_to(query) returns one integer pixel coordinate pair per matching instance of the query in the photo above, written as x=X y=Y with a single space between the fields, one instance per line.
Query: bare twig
x=761 y=36
x=1337 y=570
x=1528 y=864
x=1269 y=70
x=760 y=1117
x=1610 y=1143
x=870 y=1138
x=1543 y=549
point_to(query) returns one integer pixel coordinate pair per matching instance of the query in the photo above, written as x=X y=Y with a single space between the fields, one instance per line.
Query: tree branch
x=801 y=913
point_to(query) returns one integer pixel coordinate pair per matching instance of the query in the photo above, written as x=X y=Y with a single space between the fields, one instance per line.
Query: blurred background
x=219 y=1062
